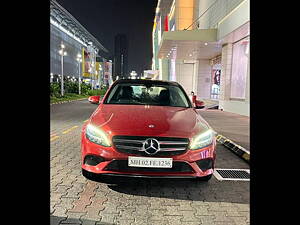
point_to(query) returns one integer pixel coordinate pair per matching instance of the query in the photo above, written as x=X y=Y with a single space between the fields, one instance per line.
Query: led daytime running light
x=97 y=136
x=202 y=140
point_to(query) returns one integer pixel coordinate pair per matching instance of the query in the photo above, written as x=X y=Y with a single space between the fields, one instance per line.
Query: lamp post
x=63 y=53
x=93 y=73
x=79 y=60
x=100 y=75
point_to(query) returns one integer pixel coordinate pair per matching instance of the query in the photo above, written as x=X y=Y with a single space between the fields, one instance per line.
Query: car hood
x=145 y=120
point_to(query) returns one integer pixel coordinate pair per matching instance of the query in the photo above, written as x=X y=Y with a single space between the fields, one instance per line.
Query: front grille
x=122 y=166
x=169 y=146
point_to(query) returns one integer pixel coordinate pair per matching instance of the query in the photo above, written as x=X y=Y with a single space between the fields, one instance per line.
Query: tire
x=206 y=178
x=94 y=177
x=88 y=175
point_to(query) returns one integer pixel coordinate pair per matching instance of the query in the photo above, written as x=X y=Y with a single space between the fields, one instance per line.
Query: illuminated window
x=239 y=68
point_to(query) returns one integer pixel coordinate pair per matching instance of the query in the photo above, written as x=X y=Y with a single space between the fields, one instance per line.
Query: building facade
x=84 y=54
x=204 y=45
x=72 y=46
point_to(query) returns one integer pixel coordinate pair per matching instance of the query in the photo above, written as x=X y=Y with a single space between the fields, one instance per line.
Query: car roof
x=146 y=81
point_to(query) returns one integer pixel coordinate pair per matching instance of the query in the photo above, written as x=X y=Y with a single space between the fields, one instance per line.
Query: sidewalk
x=210 y=103
x=233 y=130
x=232 y=126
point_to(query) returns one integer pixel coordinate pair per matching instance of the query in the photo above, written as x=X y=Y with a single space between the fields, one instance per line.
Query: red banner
x=166 y=24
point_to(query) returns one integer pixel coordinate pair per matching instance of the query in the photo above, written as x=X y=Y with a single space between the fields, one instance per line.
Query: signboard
x=88 y=64
x=108 y=73
x=151 y=74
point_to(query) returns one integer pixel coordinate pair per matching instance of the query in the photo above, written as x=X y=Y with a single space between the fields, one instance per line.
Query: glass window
x=140 y=94
x=239 y=68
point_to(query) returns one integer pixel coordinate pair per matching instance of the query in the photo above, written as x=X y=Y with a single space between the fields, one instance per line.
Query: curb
x=216 y=106
x=67 y=101
x=235 y=148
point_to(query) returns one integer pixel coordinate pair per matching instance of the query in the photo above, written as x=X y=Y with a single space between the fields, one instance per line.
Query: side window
x=137 y=90
x=177 y=97
x=114 y=94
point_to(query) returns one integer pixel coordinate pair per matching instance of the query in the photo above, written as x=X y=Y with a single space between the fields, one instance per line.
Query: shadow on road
x=56 y=220
x=181 y=189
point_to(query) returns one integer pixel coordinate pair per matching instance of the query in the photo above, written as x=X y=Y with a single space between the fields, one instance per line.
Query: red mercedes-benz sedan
x=147 y=128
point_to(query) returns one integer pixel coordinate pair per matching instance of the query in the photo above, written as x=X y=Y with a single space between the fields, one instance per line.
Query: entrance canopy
x=190 y=44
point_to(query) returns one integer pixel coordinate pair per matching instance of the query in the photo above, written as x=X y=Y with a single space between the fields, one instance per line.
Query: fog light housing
x=205 y=164
x=93 y=160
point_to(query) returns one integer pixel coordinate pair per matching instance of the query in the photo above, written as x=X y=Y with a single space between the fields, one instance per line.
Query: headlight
x=202 y=140
x=97 y=136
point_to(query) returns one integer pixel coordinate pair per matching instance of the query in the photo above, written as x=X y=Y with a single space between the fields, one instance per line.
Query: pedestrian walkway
x=210 y=103
x=230 y=125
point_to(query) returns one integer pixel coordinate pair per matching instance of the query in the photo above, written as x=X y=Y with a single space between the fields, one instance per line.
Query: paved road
x=233 y=126
x=76 y=200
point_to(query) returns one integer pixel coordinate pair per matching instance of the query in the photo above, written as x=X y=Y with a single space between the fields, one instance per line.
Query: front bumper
x=186 y=163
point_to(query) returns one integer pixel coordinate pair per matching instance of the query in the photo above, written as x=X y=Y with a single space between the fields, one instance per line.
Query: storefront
x=215 y=77
x=240 y=53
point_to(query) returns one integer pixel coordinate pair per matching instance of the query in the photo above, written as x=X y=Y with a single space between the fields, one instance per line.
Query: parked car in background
x=94 y=99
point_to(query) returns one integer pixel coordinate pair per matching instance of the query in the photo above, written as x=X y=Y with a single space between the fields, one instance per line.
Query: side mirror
x=99 y=100
x=199 y=104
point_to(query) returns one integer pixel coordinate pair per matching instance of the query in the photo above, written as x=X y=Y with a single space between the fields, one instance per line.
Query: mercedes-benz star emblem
x=151 y=146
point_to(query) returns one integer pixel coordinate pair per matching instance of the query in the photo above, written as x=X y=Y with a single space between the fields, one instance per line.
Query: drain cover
x=232 y=174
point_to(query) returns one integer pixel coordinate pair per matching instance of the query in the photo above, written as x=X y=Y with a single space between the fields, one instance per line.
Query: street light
x=79 y=60
x=93 y=73
x=62 y=53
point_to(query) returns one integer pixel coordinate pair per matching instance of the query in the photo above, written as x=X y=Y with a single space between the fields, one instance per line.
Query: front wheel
x=88 y=175
x=206 y=178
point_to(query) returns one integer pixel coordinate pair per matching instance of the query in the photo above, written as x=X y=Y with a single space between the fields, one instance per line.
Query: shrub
x=85 y=88
x=72 y=88
x=55 y=90
x=100 y=92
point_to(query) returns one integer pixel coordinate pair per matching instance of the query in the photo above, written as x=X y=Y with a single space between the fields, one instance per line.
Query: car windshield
x=140 y=94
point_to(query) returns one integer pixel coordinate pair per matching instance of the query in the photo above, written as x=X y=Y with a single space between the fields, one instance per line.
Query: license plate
x=150 y=162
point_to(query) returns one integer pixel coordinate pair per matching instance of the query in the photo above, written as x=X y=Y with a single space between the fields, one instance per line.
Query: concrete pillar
x=164 y=69
x=225 y=80
x=204 y=79
x=247 y=94
x=195 y=76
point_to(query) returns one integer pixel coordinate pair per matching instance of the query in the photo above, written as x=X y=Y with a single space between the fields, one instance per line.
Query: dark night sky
x=106 y=18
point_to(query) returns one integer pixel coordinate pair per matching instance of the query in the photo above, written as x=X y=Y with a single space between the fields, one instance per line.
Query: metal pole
x=79 y=91
x=62 y=74
x=92 y=75
x=99 y=76
x=93 y=71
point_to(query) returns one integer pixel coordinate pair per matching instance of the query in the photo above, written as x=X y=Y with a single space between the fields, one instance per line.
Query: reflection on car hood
x=135 y=120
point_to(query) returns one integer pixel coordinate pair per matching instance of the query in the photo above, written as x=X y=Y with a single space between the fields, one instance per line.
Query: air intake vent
x=232 y=174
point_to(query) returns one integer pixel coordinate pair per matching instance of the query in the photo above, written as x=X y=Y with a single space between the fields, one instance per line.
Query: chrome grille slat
x=140 y=149
x=172 y=149
x=172 y=143
x=128 y=141
x=129 y=147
